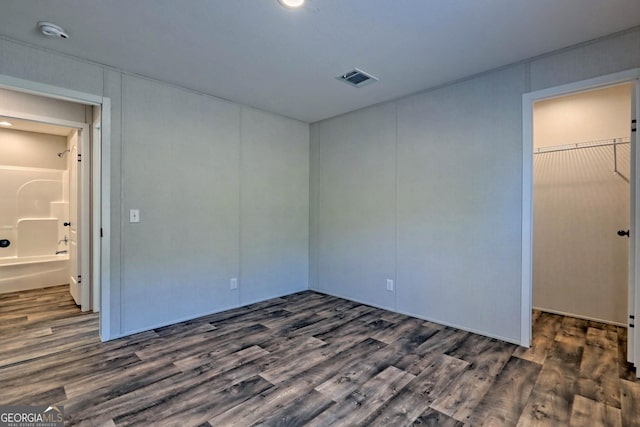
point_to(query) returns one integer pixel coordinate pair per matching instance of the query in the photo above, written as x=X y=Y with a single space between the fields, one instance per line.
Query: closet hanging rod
x=581 y=145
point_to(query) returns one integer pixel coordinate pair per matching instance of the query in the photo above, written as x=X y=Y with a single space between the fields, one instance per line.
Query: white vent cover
x=357 y=78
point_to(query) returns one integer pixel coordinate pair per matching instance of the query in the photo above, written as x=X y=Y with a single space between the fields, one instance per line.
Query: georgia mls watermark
x=31 y=416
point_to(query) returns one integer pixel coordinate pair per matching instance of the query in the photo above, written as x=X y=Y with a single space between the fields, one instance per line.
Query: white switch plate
x=390 y=285
x=134 y=215
x=234 y=283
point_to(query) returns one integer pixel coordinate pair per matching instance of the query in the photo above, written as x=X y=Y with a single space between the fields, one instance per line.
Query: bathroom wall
x=32 y=178
x=579 y=262
x=30 y=149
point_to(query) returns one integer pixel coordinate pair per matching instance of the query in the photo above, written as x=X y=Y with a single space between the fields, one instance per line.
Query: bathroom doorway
x=47 y=194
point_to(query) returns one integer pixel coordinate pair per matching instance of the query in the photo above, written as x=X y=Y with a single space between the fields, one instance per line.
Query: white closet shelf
x=579 y=145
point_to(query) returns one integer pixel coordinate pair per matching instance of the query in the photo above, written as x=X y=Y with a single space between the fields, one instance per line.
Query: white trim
x=104 y=244
x=633 y=353
x=42 y=89
x=579 y=316
x=100 y=177
x=95 y=213
x=584 y=85
x=527 y=222
x=85 y=205
x=41 y=119
x=528 y=100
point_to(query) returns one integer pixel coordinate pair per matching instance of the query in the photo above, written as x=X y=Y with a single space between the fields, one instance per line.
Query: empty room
x=319 y=213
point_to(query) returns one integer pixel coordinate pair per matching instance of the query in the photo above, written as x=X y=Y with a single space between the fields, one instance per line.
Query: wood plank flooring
x=314 y=360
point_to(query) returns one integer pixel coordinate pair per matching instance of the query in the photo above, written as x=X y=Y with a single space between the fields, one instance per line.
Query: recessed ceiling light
x=291 y=3
x=5 y=123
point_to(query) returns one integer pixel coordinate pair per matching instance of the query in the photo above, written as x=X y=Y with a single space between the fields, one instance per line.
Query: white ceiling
x=257 y=53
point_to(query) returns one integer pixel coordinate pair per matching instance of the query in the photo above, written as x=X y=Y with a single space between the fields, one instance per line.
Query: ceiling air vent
x=357 y=78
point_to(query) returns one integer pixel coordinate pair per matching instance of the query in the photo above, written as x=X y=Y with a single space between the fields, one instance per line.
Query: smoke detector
x=52 y=30
x=357 y=78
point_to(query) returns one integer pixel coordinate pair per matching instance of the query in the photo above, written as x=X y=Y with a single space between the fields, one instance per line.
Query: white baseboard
x=579 y=316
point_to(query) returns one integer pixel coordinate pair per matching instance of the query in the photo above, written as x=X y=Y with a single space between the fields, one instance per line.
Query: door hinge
x=631 y=316
x=79 y=157
x=631 y=325
x=79 y=279
x=101 y=233
x=633 y=125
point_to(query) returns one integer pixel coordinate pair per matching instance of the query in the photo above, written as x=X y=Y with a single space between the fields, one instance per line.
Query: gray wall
x=429 y=188
x=222 y=190
x=274 y=221
x=430 y=194
x=357 y=205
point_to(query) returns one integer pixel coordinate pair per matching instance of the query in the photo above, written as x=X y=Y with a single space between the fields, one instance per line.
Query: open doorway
x=581 y=170
x=46 y=215
x=614 y=148
x=97 y=111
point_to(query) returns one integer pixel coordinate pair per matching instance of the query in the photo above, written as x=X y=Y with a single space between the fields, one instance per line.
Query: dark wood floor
x=311 y=359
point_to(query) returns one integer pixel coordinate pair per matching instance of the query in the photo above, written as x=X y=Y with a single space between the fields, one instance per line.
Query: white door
x=78 y=221
x=633 y=341
x=72 y=223
x=94 y=199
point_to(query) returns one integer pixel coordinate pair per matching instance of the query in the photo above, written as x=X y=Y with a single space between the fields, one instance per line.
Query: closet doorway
x=591 y=154
x=581 y=195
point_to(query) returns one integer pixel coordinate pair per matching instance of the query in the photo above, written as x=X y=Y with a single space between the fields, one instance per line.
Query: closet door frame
x=528 y=99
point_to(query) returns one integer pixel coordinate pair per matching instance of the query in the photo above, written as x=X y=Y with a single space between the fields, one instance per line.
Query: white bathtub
x=18 y=274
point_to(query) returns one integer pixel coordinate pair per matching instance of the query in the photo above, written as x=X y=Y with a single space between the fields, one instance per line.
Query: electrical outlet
x=234 y=283
x=389 y=285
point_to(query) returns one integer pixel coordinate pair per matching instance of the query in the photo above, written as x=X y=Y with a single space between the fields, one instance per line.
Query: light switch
x=134 y=215
x=389 y=285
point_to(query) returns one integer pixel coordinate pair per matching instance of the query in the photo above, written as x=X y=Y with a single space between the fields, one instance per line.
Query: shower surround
x=33 y=209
